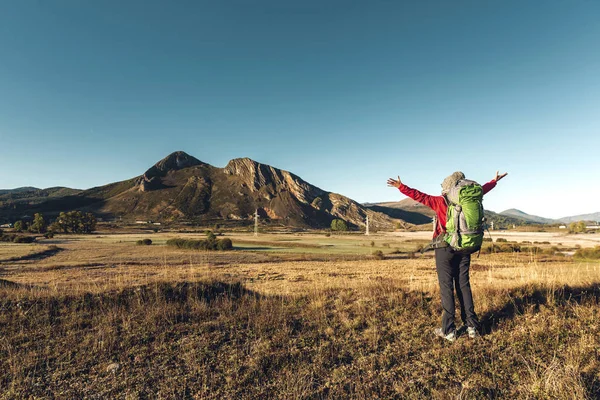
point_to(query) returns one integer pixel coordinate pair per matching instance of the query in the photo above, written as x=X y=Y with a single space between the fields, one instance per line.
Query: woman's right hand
x=394 y=183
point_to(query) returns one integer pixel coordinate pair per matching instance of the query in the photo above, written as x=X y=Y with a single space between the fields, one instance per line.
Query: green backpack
x=464 y=220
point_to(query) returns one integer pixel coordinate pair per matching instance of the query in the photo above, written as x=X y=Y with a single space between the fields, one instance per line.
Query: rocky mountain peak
x=176 y=161
x=263 y=177
x=173 y=162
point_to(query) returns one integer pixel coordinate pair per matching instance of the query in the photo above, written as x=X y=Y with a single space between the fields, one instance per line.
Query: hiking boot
x=472 y=332
x=451 y=337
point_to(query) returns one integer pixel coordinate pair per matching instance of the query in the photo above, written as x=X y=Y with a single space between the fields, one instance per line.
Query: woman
x=452 y=267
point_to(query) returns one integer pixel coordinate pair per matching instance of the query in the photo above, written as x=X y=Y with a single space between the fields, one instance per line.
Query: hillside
x=520 y=215
x=181 y=187
x=583 y=217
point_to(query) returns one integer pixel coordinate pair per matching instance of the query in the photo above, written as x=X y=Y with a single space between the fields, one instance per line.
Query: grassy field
x=289 y=316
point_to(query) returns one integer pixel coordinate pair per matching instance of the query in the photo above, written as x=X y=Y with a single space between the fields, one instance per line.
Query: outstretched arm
x=492 y=184
x=432 y=202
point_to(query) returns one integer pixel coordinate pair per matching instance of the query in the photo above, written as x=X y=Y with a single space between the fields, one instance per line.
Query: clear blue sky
x=343 y=93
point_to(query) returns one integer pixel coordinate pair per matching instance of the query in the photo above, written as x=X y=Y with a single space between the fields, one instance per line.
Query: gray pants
x=453 y=273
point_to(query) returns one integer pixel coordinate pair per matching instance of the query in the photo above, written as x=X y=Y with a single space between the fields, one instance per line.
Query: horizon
x=342 y=95
x=363 y=203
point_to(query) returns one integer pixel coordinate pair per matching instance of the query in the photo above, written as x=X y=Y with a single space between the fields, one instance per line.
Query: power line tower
x=367 y=230
x=256 y=223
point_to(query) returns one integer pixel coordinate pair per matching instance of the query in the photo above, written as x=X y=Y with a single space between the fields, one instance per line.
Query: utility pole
x=256 y=223
x=367 y=230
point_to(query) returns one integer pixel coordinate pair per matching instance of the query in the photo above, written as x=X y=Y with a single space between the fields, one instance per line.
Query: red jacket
x=437 y=203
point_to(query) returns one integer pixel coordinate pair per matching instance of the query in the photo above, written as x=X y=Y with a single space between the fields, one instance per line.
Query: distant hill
x=181 y=187
x=31 y=195
x=518 y=214
x=583 y=217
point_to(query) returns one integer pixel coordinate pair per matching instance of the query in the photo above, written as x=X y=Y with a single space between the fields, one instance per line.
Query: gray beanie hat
x=451 y=181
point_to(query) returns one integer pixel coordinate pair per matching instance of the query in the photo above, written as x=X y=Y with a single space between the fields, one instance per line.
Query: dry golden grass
x=102 y=317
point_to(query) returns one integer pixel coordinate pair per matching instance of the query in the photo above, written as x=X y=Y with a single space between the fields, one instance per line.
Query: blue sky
x=343 y=93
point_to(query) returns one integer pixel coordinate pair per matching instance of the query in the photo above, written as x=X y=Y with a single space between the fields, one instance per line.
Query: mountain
x=181 y=187
x=583 y=217
x=30 y=195
x=520 y=215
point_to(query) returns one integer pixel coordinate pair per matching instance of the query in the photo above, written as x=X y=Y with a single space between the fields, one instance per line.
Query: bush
x=144 y=242
x=589 y=253
x=509 y=248
x=49 y=235
x=210 y=236
x=501 y=240
x=531 y=249
x=339 y=225
x=224 y=244
x=8 y=237
x=489 y=248
x=24 y=239
x=378 y=254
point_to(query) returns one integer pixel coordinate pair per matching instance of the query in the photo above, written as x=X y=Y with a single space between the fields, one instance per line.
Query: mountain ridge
x=181 y=187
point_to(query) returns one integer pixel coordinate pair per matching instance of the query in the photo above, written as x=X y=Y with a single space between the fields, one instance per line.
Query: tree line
x=67 y=222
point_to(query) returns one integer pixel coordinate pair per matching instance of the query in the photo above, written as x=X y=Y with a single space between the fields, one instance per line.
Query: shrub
x=489 y=248
x=8 y=237
x=339 y=225
x=372 y=243
x=224 y=244
x=144 y=242
x=589 y=253
x=531 y=249
x=210 y=235
x=378 y=254
x=509 y=248
x=24 y=239
x=49 y=235
x=501 y=240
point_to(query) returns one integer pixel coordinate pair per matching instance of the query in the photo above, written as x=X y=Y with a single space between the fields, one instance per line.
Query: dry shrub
x=378 y=255
x=588 y=253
